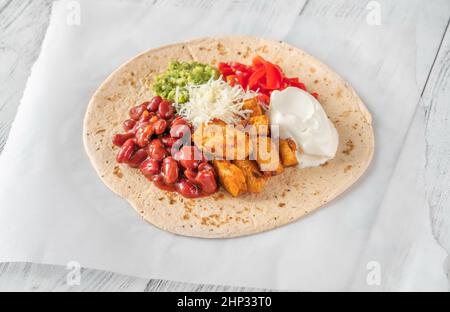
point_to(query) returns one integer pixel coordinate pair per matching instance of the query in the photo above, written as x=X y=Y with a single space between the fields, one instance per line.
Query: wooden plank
x=436 y=102
x=38 y=277
x=28 y=21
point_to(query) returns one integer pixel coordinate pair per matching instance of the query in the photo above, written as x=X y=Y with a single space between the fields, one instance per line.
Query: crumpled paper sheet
x=54 y=209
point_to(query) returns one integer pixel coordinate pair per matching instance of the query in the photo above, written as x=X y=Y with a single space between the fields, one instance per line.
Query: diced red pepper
x=242 y=78
x=240 y=67
x=258 y=62
x=262 y=77
x=225 y=69
x=232 y=80
x=264 y=98
x=274 y=76
x=255 y=78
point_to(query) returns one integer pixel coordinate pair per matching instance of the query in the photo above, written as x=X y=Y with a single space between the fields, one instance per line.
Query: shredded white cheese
x=215 y=100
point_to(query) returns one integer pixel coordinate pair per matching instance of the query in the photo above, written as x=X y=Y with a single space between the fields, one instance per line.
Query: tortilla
x=286 y=197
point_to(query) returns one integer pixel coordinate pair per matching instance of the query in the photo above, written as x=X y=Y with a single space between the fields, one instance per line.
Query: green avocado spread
x=180 y=74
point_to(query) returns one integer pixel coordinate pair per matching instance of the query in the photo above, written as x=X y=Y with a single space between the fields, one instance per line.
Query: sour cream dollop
x=301 y=117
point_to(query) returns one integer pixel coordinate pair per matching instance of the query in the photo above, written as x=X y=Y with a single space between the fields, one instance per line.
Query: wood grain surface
x=22 y=29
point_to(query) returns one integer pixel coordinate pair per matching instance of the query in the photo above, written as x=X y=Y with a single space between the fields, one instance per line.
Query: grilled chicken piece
x=267 y=156
x=231 y=177
x=260 y=124
x=288 y=154
x=254 y=178
x=223 y=141
x=253 y=105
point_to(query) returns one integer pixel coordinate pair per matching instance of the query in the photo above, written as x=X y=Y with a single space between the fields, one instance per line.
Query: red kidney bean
x=154 y=118
x=119 y=139
x=178 y=131
x=153 y=105
x=137 y=158
x=150 y=167
x=138 y=125
x=158 y=179
x=168 y=141
x=148 y=117
x=190 y=174
x=179 y=121
x=205 y=166
x=143 y=135
x=136 y=112
x=176 y=147
x=170 y=170
x=156 y=150
x=126 y=151
x=145 y=116
x=165 y=110
x=129 y=124
x=188 y=189
x=207 y=181
x=160 y=126
x=189 y=157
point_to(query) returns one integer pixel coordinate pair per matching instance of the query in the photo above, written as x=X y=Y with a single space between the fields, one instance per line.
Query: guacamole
x=180 y=74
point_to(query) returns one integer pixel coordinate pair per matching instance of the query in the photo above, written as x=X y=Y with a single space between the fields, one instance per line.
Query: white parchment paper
x=54 y=209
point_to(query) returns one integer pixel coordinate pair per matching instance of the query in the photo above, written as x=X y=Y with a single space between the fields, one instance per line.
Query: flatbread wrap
x=285 y=198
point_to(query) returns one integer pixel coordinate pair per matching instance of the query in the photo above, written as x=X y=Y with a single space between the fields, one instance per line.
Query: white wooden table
x=22 y=29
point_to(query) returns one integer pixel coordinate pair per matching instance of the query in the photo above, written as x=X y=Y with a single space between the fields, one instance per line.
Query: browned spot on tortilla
x=100 y=131
x=339 y=93
x=263 y=49
x=316 y=193
x=171 y=198
x=219 y=196
x=350 y=146
x=114 y=97
x=207 y=221
x=188 y=207
x=186 y=217
x=117 y=172
x=347 y=168
x=221 y=49
x=312 y=70
x=345 y=114
x=355 y=126
x=247 y=52
x=316 y=81
x=281 y=205
x=325 y=164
